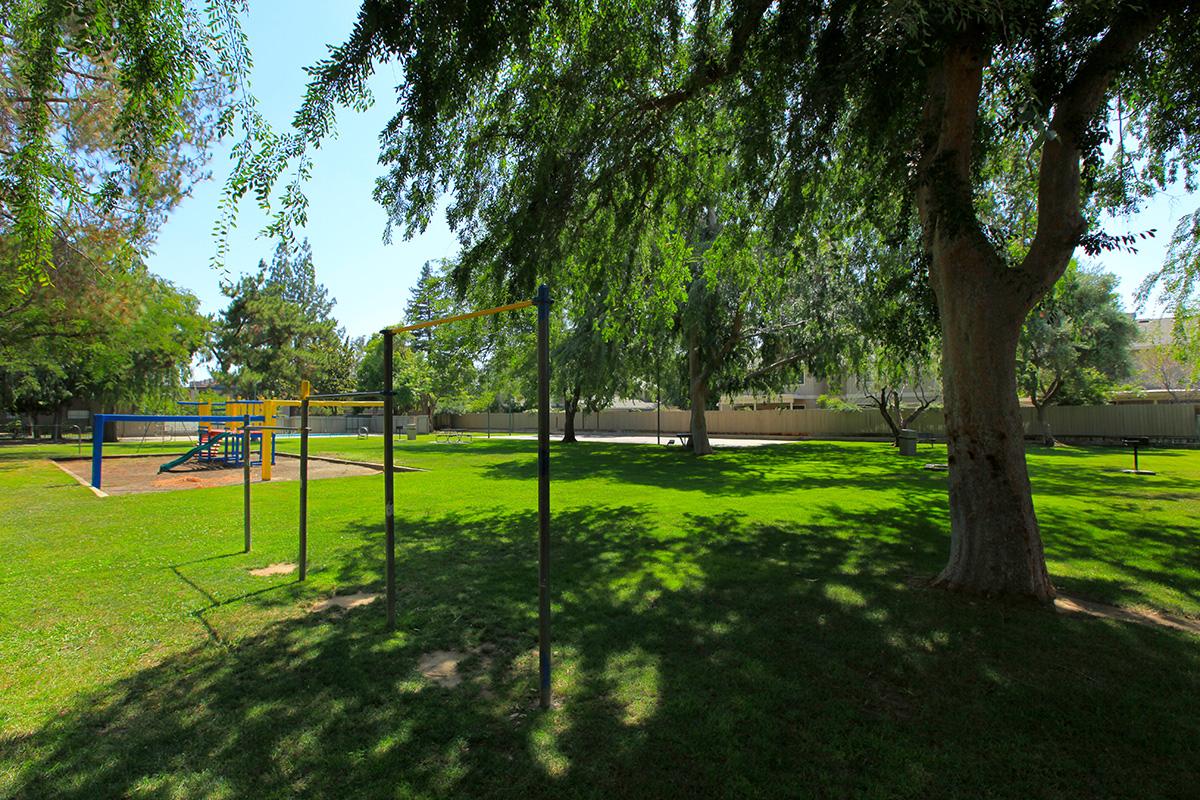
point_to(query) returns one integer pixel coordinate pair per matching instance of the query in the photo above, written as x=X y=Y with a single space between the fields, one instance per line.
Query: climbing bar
x=336 y=395
x=457 y=317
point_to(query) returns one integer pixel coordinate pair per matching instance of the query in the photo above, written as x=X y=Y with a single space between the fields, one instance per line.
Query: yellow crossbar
x=330 y=403
x=459 y=317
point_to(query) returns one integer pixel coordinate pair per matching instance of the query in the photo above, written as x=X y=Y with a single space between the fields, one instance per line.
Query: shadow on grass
x=720 y=659
x=738 y=472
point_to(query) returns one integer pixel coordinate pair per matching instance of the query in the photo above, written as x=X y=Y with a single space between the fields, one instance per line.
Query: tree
x=895 y=315
x=140 y=357
x=278 y=330
x=1075 y=344
x=589 y=368
x=450 y=353
x=1177 y=284
x=411 y=378
x=539 y=114
x=106 y=109
x=1171 y=358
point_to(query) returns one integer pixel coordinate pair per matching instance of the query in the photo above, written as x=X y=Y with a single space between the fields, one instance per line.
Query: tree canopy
x=560 y=129
x=278 y=330
x=106 y=109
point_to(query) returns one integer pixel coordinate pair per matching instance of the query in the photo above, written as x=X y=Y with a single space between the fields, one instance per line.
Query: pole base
x=1138 y=472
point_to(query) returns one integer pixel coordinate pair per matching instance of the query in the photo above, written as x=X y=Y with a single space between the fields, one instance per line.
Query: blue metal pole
x=97 y=446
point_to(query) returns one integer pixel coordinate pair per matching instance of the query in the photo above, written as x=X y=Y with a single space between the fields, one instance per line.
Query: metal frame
x=542 y=301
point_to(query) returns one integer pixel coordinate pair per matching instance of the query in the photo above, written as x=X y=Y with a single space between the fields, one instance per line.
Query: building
x=806 y=393
x=1159 y=376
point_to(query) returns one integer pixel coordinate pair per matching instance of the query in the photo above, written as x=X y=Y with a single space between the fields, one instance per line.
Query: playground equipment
x=207 y=443
x=268 y=414
x=100 y=420
x=542 y=302
x=248 y=432
x=272 y=407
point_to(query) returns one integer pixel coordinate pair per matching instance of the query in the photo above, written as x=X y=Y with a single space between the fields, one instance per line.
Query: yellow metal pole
x=459 y=317
x=270 y=412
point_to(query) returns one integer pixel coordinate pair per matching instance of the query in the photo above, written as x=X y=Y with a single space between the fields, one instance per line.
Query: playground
x=143 y=473
x=754 y=621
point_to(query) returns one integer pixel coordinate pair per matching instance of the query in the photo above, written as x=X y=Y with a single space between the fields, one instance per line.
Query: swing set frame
x=542 y=302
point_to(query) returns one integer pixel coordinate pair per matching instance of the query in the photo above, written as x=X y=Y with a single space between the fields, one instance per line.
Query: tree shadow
x=798 y=466
x=715 y=657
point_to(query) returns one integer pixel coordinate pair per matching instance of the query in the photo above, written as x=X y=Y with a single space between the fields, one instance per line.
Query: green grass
x=747 y=624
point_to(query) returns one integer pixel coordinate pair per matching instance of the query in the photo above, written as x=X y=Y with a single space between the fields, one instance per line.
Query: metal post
x=304 y=488
x=658 y=399
x=389 y=489
x=542 y=301
x=1135 y=458
x=98 y=422
x=246 y=476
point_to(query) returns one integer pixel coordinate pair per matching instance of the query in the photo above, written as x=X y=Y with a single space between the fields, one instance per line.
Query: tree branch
x=714 y=72
x=779 y=364
x=1060 y=222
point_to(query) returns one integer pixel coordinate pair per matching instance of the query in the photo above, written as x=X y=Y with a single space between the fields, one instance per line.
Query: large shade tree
x=532 y=114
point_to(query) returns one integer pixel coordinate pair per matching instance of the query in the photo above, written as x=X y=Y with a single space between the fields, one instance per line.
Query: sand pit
x=133 y=475
x=343 y=602
x=281 y=568
x=441 y=667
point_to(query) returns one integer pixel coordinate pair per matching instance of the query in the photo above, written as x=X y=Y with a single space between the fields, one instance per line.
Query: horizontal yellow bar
x=459 y=317
x=333 y=403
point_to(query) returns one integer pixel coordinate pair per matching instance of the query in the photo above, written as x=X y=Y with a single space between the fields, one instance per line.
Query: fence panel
x=1109 y=422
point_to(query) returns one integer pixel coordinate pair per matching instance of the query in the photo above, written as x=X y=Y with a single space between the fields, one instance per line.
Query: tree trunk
x=571 y=408
x=698 y=397
x=1044 y=425
x=995 y=545
x=881 y=404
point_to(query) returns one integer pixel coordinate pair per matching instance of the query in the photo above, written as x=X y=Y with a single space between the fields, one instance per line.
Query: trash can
x=412 y=433
x=908 y=442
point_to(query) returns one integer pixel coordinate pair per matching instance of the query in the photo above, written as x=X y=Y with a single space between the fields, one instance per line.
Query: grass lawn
x=742 y=625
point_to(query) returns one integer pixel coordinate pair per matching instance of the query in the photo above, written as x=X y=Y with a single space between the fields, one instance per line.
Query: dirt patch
x=441 y=667
x=281 y=568
x=343 y=601
x=140 y=474
x=1073 y=605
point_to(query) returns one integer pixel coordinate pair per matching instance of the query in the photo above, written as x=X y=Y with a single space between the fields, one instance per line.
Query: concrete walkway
x=644 y=438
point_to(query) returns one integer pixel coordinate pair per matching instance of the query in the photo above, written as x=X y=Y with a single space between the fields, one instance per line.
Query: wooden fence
x=1170 y=422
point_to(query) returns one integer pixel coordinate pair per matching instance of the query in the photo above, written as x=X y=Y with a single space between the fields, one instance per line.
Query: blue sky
x=369 y=279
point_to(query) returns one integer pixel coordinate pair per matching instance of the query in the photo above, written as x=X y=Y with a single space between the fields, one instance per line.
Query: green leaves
x=104 y=115
x=1075 y=346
